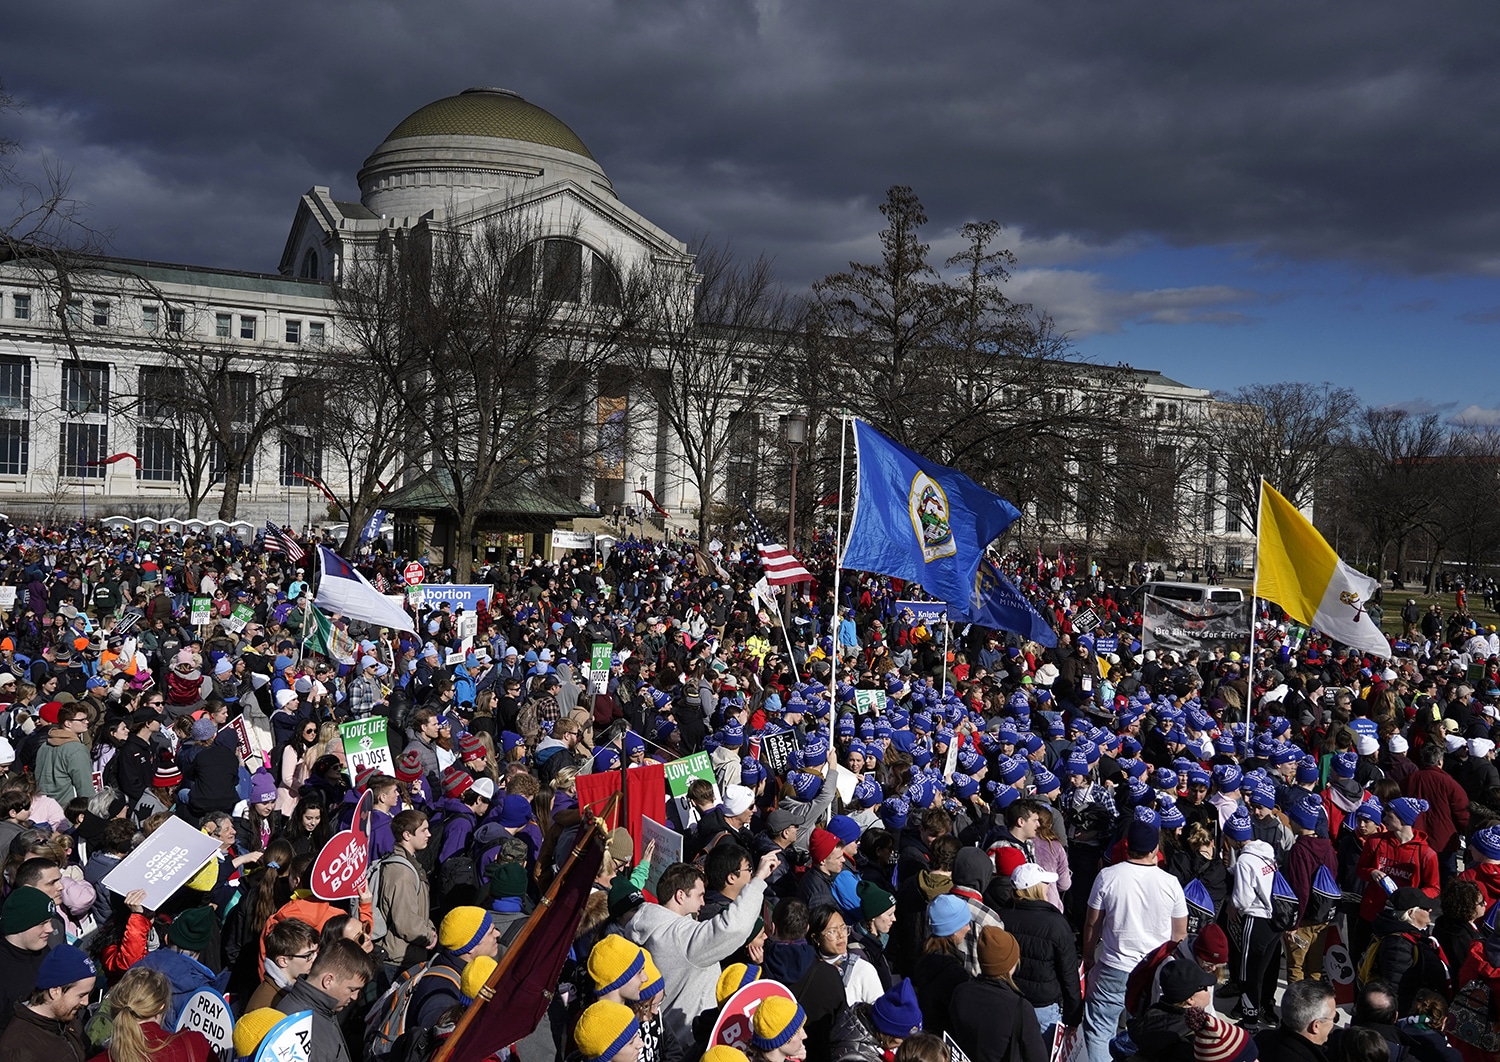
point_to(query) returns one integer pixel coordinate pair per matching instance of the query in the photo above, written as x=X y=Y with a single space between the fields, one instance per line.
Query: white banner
x=572 y=540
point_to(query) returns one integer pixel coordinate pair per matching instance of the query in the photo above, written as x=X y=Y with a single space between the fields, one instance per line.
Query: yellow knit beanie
x=250 y=1030
x=655 y=982
x=614 y=961
x=604 y=1029
x=464 y=927
x=776 y=1021
x=476 y=975
x=735 y=977
x=724 y=1053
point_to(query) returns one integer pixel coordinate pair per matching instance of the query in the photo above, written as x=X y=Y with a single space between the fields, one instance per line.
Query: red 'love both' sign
x=339 y=871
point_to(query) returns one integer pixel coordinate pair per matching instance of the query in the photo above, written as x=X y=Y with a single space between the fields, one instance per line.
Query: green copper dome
x=490 y=112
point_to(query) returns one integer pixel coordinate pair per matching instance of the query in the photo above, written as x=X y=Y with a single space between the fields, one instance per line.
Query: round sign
x=207 y=1012
x=733 y=1026
x=413 y=573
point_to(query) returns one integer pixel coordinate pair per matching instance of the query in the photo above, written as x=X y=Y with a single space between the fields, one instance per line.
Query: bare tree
x=711 y=350
x=496 y=343
x=1282 y=432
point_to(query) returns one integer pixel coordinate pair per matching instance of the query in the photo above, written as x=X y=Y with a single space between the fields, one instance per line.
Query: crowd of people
x=1007 y=852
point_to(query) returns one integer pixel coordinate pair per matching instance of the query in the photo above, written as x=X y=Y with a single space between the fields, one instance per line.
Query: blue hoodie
x=187 y=976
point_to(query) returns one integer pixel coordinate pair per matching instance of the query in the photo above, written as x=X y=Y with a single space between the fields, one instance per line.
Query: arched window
x=564 y=270
x=310 y=265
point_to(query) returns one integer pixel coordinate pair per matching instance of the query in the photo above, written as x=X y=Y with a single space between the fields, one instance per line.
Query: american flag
x=780 y=565
x=278 y=541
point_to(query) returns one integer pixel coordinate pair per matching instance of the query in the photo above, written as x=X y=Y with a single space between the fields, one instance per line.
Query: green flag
x=325 y=638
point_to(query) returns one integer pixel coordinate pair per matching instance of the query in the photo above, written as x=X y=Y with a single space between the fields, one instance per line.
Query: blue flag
x=995 y=602
x=371 y=530
x=918 y=520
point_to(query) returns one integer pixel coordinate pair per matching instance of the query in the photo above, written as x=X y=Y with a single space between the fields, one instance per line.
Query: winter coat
x=328 y=1044
x=817 y=986
x=1308 y=854
x=936 y=976
x=689 y=952
x=162 y=1046
x=1447 y=815
x=30 y=1037
x=1253 y=873
x=1409 y=959
x=213 y=781
x=1048 y=972
x=986 y=1014
x=187 y=975
x=18 y=969
x=1487 y=877
x=1162 y=1034
x=137 y=767
x=64 y=769
x=405 y=903
x=853 y=1038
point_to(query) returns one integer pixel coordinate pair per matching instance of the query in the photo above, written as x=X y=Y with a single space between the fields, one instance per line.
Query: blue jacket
x=187 y=976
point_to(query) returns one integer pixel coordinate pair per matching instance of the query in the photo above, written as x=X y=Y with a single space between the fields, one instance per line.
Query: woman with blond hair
x=136 y=1006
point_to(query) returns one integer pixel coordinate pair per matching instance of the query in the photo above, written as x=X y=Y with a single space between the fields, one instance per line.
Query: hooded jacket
x=64 y=769
x=689 y=952
x=328 y=1044
x=1487 y=877
x=1253 y=874
x=1408 y=958
x=187 y=975
x=1447 y=814
x=1048 y=972
x=1413 y=863
x=32 y=1037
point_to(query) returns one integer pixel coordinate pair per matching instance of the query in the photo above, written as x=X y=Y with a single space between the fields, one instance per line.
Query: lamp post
x=794 y=431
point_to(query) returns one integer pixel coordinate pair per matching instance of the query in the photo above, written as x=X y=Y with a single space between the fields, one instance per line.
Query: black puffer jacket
x=1048 y=972
x=854 y=1038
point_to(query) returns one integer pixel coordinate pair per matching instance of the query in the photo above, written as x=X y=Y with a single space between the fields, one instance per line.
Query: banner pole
x=944 y=687
x=838 y=557
x=1254 y=564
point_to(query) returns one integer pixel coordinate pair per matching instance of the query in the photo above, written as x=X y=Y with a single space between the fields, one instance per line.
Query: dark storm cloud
x=1316 y=130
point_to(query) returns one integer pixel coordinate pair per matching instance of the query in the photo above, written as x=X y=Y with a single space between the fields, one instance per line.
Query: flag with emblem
x=343 y=589
x=781 y=566
x=1297 y=569
x=325 y=637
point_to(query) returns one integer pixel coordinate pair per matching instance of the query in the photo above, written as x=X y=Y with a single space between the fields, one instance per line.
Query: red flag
x=523 y=983
x=111 y=459
x=645 y=794
x=652 y=499
x=318 y=483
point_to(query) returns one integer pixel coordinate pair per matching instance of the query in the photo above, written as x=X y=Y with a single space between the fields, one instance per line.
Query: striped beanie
x=604 y=1030
x=614 y=961
x=776 y=1021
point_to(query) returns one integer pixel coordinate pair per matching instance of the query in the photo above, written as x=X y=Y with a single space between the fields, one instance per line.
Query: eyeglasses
x=305 y=955
x=841 y=930
x=1333 y=1020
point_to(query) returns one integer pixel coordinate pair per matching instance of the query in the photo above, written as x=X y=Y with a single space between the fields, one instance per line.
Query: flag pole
x=838 y=556
x=1254 y=559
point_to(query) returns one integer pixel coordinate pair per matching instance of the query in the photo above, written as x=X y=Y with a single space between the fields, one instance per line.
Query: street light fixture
x=644 y=488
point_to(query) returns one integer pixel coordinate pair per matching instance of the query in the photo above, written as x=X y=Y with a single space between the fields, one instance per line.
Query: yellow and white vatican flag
x=1297 y=569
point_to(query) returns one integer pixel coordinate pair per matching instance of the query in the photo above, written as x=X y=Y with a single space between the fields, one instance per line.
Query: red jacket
x=1476 y=967
x=1413 y=863
x=162 y=1046
x=1487 y=877
x=1447 y=815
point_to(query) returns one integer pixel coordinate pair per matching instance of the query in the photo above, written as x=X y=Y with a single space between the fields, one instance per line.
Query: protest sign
x=239 y=619
x=339 y=871
x=7 y=598
x=468 y=626
x=1105 y=646
x=207 y=1012
x=202 y=611
x=241 y=736
x=867 y=701
x=466 y=596
x=165 y=861
x=924 y=612
x=668 y=849
x=599 y=663
x=572 y=540
x=844 y=781
x=951 y=763
x=733 y=1026
x=680 y=773
x=1085 y=621
x=776 y=750
x=366 y=744
x=955 y=1053
x=1187 y=625
x=290 y=1040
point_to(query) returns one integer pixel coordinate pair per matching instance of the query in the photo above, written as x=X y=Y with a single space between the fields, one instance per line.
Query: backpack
x=1471 y=1017
x=1323 y=900
x=385 y=1025
x=1367 y=964
x=1200 y=906
x=1286 y=909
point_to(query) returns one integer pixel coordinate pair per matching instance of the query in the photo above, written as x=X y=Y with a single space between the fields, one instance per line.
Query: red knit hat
x=470 y=748
x=456 y=782
x=167 y=774
x=1008 y=858
x=409 y=767
x=49 y=711
x=363 y=775
x=822 y=844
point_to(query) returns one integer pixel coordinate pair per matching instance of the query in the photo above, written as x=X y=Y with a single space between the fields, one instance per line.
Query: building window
x=604 y=283
x=101 y=315
x=85 y=388
x=15 y=447
x=176 y=320
x=316 y=333
x=223 y=322
x=217 y=463
x=150 y=318
x=247 y=328
x=294 y=332
x=157 y=449
x=15 y=384
x=22 y=307
x=562 y=270
x=301 y=455
x=74 y=313
x=80 y=447
x=310 y=265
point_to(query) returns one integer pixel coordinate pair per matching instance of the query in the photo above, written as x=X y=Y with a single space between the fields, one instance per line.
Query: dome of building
x=481 y=142
x=490 y=112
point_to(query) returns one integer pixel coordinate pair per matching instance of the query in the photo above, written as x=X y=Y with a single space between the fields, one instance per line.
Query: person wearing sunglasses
x=1308 y=1016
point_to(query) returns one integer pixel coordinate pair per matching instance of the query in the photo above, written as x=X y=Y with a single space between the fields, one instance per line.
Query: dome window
x=310 y=265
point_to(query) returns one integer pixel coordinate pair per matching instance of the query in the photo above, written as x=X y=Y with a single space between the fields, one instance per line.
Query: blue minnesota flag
x=995 y=602
x=918 y=520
